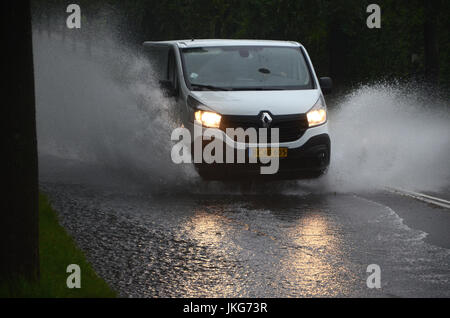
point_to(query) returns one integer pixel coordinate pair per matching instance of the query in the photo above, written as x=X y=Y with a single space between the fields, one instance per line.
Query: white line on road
x=422 y=197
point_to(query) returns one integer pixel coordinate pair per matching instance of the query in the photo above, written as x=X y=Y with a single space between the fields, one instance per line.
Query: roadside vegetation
x=57 y=250
x=410 y=45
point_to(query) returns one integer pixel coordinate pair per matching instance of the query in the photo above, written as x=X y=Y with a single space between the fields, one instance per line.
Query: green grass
x=57 y=250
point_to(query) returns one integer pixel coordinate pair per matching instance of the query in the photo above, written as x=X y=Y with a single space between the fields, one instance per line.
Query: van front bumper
x=307 y=157
x=310 y=160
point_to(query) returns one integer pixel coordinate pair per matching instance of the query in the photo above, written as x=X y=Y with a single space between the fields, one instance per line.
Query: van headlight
x=208 y=119
x=318 y=114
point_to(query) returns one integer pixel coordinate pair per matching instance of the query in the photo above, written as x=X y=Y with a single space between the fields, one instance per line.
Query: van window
x=247 y=67
x=172 y=70
x=158 y=57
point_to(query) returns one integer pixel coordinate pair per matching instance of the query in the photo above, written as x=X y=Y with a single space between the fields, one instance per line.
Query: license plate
x=268 y=152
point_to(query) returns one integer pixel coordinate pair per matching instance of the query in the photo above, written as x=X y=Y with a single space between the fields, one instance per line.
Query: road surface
x=151 y=238
x=230 y=240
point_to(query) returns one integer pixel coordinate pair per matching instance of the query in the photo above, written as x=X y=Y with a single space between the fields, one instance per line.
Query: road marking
x=422 y=197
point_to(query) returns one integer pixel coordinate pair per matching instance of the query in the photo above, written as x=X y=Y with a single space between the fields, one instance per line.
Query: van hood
x=253 y=102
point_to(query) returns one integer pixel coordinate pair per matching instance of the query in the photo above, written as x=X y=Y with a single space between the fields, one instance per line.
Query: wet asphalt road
x=201 y=241
x=303 y=244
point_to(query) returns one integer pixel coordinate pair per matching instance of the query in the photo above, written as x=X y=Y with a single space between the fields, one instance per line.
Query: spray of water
x=390 y=135
x=101 y=109
x=104 y=110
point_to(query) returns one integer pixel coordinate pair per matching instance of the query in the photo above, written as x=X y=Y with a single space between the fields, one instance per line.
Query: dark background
x=412 y=44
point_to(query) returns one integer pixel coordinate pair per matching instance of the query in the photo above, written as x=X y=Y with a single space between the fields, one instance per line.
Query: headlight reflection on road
x=215 y=275
x=205 y=228
x=317 y=262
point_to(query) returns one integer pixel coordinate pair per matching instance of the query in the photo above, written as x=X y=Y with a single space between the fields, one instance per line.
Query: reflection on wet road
x=249 y=245
x=110 y=125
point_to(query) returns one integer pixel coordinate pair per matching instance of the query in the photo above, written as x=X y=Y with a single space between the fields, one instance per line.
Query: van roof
x=221 y=42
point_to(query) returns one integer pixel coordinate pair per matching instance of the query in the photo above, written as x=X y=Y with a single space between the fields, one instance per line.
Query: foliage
x=57 y=250
x=333 y=31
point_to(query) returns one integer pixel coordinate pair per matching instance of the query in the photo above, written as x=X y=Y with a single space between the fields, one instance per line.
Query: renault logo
x=266 y=119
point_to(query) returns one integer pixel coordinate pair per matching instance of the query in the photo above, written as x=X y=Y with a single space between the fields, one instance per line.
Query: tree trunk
x=19 y=249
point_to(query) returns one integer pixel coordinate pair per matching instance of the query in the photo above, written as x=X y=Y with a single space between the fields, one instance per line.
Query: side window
x=158 y=60
x=172 y=70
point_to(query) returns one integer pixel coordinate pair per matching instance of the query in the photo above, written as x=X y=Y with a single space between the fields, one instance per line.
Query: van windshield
x=246 y=68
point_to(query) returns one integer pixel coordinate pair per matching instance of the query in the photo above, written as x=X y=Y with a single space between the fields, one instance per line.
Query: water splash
x=103 y=110
x=390 y=134
x=101 y=114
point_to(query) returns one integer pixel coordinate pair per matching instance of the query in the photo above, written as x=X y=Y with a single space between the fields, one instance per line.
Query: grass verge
x=57 y=250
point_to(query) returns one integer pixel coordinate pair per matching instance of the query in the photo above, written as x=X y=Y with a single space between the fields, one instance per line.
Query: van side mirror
x=326 y=84
x=168 y=89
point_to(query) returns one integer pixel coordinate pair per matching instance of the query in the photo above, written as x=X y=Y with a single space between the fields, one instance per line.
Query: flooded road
x=153 y=229
x=250 y=245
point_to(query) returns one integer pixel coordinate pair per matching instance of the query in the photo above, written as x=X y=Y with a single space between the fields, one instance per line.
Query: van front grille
x=291 y=127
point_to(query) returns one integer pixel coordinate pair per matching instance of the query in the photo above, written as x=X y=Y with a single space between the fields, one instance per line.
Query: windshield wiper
x=209 y=87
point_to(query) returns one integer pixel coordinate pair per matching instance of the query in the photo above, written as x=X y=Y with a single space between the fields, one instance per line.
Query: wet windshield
x=246 y=68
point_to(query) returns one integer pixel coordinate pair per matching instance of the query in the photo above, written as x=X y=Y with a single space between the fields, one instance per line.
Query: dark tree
x=19 y=251
x=431 y=41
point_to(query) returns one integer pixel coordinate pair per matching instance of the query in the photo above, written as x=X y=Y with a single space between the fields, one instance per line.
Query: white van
x=246 y=84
